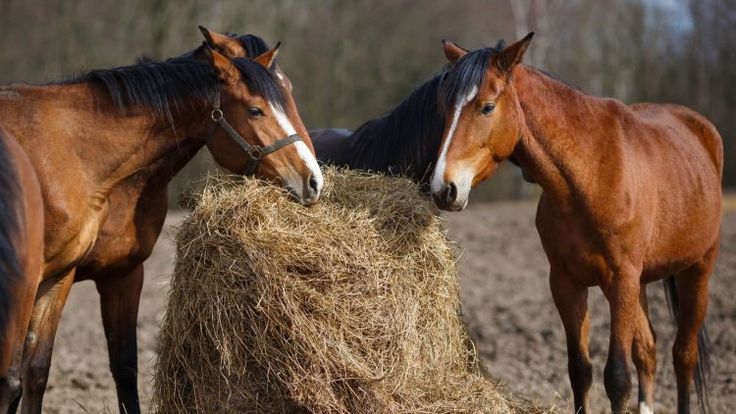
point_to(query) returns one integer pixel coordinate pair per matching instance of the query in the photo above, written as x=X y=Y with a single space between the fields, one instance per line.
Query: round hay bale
x=349 y=306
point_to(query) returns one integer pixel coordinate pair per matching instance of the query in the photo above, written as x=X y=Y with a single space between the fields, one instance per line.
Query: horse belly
x=681 y=240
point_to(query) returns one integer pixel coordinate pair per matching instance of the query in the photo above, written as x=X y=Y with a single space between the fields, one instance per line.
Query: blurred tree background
x=351 y=61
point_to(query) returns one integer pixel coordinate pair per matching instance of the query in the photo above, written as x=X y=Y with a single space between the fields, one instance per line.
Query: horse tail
x=10 y=228
x=703 y=367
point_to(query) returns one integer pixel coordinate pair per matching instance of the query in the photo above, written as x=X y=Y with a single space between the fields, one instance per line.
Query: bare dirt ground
x=506 y=302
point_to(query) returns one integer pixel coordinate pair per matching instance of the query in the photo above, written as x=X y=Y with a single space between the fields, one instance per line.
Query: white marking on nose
x=439 y=170
x=301 y=148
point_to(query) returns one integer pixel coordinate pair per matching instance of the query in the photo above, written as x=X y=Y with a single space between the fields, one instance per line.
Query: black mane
x=174 y=85
x=166 y=87
x=404 y=141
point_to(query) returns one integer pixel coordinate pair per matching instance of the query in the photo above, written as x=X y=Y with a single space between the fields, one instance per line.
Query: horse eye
x=488 y=108
x=256 y=112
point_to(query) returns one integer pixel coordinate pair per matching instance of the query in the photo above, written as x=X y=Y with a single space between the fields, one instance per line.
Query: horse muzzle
x=307 y=192
x=449 y=198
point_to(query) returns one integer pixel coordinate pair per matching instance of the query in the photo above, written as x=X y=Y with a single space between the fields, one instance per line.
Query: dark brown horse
x=21 y=250
x=105 y=145
x=631 y=194
x=404 y=141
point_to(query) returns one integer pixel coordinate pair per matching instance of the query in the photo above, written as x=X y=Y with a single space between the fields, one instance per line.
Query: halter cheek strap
x=254 y=152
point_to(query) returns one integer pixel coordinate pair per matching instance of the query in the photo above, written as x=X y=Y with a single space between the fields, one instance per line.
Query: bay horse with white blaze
x=104 y=146
x=631 y=194
x=404 y=141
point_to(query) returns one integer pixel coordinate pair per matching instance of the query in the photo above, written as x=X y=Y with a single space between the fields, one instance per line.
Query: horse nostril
x=451 y=193
x=313 y=184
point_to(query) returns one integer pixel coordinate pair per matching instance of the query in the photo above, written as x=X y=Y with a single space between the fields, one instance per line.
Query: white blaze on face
x=301 y=148
x=438 y=179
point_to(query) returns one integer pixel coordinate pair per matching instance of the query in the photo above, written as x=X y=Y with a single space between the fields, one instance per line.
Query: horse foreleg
x=571 y=301
x=119 y=298
x=645 y=356
x=10 y=385
x=622 y=293
x=692 y=288
x=50 y=300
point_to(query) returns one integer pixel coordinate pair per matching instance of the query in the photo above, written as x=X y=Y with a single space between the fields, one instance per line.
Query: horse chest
x=127 y=237
x=71 y=232
x=569 y=246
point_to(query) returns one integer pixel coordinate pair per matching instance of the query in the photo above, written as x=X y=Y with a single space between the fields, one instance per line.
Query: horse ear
x=500 y=46
x=223 y=68
x=266 y=59
x=226 y=45
x=512 y=55
x=453 y=52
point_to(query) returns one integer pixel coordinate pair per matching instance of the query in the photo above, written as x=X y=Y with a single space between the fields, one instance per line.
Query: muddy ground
x=506 y=301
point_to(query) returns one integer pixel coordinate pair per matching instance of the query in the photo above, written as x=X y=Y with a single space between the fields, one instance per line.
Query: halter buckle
x=216 y=114
x=255 y=153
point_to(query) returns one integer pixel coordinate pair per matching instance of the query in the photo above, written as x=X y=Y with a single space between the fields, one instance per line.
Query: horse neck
x=558 y=148
x=116 y=143
x=404 y=141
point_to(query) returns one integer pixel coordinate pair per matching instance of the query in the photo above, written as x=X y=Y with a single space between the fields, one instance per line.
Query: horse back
x=331 y=144
x=683 y=119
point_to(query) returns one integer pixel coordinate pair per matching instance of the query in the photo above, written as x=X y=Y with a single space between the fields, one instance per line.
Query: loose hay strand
x=349 y=306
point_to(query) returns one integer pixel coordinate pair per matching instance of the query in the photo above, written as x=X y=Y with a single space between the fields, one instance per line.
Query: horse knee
x=617 y=380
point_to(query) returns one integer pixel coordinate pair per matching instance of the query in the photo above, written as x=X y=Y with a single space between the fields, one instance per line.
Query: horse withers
x=631 y=194
x=118 y=136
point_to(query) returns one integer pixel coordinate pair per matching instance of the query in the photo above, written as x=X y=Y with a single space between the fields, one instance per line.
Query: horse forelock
x=262 y=82
x=254 y=46
x=467 y=74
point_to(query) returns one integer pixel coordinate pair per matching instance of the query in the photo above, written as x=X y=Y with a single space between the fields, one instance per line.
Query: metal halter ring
x=255 y=152
x=216 y=114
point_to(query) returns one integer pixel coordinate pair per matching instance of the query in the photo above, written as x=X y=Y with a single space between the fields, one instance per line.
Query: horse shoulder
x=138 y=212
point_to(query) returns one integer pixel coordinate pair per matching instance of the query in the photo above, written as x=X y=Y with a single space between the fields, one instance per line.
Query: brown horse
x=631 y=194
x=21 y=250
x=105 y=145
x=138 y=210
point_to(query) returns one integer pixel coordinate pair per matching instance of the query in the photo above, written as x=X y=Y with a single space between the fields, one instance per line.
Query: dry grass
x=350 y=306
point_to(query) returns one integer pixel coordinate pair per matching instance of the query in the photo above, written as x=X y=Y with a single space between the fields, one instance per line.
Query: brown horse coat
x=96 y=163
x=631 y=194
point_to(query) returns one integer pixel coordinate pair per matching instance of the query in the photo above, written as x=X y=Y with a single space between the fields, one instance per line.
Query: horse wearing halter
x=254 y=152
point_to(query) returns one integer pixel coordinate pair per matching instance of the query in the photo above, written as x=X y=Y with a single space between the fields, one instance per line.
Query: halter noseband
x=254 y=152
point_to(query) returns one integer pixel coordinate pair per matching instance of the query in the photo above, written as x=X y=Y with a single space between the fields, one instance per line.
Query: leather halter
x=254 y=152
